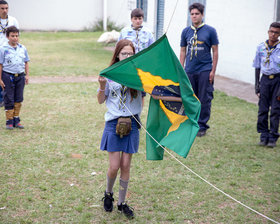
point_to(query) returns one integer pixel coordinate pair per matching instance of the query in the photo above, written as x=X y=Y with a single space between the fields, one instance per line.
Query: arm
x=101 y=92
x=183 y=55
x=214 y=64
x=26 y=73
x=257 y=81
x=1 y=82
x=167 y=98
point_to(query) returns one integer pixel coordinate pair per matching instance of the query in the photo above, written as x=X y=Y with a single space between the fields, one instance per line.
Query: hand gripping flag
x=157 y=70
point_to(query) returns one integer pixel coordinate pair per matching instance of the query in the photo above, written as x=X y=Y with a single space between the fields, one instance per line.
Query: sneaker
x=10 y=124
x=18 y=125
x=271 y=144
x=108 y=201
x=126 y=210
x=9 y=127
x=262 y=143
x=201 y=133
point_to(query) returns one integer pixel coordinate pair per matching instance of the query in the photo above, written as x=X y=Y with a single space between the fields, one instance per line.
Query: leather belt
x=272 y=76
x=15 y=74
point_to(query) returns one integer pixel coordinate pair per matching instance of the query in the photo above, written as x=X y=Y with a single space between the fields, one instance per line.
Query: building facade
x=241 y=25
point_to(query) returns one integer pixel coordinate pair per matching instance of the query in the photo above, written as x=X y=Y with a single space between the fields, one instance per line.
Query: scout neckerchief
x=3 y=28
x=123 y=96
x=269 y=51
x=137 y=30
x=194 y=40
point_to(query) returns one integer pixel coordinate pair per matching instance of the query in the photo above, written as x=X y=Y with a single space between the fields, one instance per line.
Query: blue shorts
x=112 y=142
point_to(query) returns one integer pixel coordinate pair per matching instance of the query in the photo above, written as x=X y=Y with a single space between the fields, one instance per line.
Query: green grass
x=40 y=182
x=65 y=53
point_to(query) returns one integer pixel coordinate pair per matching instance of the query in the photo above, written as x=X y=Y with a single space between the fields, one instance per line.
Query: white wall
x=178 y=22
x=241 y=26
x=119 y=11
x=55 y=14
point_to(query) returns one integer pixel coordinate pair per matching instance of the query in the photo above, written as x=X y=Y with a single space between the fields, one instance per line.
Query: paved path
x=236 y=88
x=229 y=86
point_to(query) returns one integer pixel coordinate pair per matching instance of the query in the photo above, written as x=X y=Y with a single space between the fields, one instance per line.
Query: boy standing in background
x=140 y=36
x=14 y=74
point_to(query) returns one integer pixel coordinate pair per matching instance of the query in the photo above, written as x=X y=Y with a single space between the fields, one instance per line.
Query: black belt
x=272 y=76
x=15 y=74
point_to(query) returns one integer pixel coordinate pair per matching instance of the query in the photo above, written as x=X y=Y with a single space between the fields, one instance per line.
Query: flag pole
x=172 y=16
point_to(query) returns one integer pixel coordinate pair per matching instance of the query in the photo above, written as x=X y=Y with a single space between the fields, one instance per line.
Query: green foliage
x=98 y=26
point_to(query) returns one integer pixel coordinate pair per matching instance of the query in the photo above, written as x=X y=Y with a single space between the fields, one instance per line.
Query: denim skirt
x=112 y=142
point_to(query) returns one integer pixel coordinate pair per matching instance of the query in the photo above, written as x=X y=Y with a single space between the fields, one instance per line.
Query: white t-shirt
x=5 y=23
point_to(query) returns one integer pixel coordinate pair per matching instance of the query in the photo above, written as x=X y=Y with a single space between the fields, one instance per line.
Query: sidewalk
x=236 y=88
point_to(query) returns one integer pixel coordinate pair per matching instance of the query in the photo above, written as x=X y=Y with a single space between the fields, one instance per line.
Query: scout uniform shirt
x=269 y=64
x=113 y=91
x=13 y=59
x=201 y=60
x=4 y=24
x=141 y=37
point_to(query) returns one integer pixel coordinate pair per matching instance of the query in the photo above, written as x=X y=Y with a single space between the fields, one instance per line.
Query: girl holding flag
x=121 y=135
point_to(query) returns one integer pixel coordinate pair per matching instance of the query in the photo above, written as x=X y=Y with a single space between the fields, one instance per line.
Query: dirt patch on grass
x=62 y=79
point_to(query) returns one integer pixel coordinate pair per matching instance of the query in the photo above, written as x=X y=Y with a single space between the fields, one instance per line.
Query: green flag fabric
x=157 y=70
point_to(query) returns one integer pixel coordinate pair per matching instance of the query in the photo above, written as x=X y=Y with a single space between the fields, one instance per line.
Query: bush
x=98 y=26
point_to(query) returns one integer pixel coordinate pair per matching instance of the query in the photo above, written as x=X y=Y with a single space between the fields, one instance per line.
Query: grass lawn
x=46 y=169
x=65 y=53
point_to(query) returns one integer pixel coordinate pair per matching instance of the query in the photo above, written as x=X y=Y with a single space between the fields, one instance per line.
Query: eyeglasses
x=127 y=54
x=273 y=32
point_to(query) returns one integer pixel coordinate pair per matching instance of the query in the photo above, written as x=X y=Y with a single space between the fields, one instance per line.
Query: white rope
x=172 y=16
x=227 y=195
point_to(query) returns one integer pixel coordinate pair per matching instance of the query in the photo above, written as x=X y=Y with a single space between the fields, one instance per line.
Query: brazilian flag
x=157 y=70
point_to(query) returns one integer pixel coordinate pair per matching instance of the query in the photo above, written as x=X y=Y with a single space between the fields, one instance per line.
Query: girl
x=120 y=147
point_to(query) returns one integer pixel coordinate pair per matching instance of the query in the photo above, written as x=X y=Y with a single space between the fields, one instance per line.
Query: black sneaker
x=262 y=143
x=201 y=133
x=108 y=201
x=126 y=210
x=271 y=144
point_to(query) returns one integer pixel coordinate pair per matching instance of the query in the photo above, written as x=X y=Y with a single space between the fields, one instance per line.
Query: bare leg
x=114 y=165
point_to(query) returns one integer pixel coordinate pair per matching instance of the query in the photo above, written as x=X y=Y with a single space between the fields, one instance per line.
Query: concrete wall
x=241 y=26
x=178 y=22
x=67 y=15
x=55 y=14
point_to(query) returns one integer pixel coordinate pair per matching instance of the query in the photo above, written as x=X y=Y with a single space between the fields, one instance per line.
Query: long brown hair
x=120 y=45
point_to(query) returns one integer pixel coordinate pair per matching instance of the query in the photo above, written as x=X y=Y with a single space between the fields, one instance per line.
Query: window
x=143 y=4
x=160 y=18
x=203 y=2
x=277 y=12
